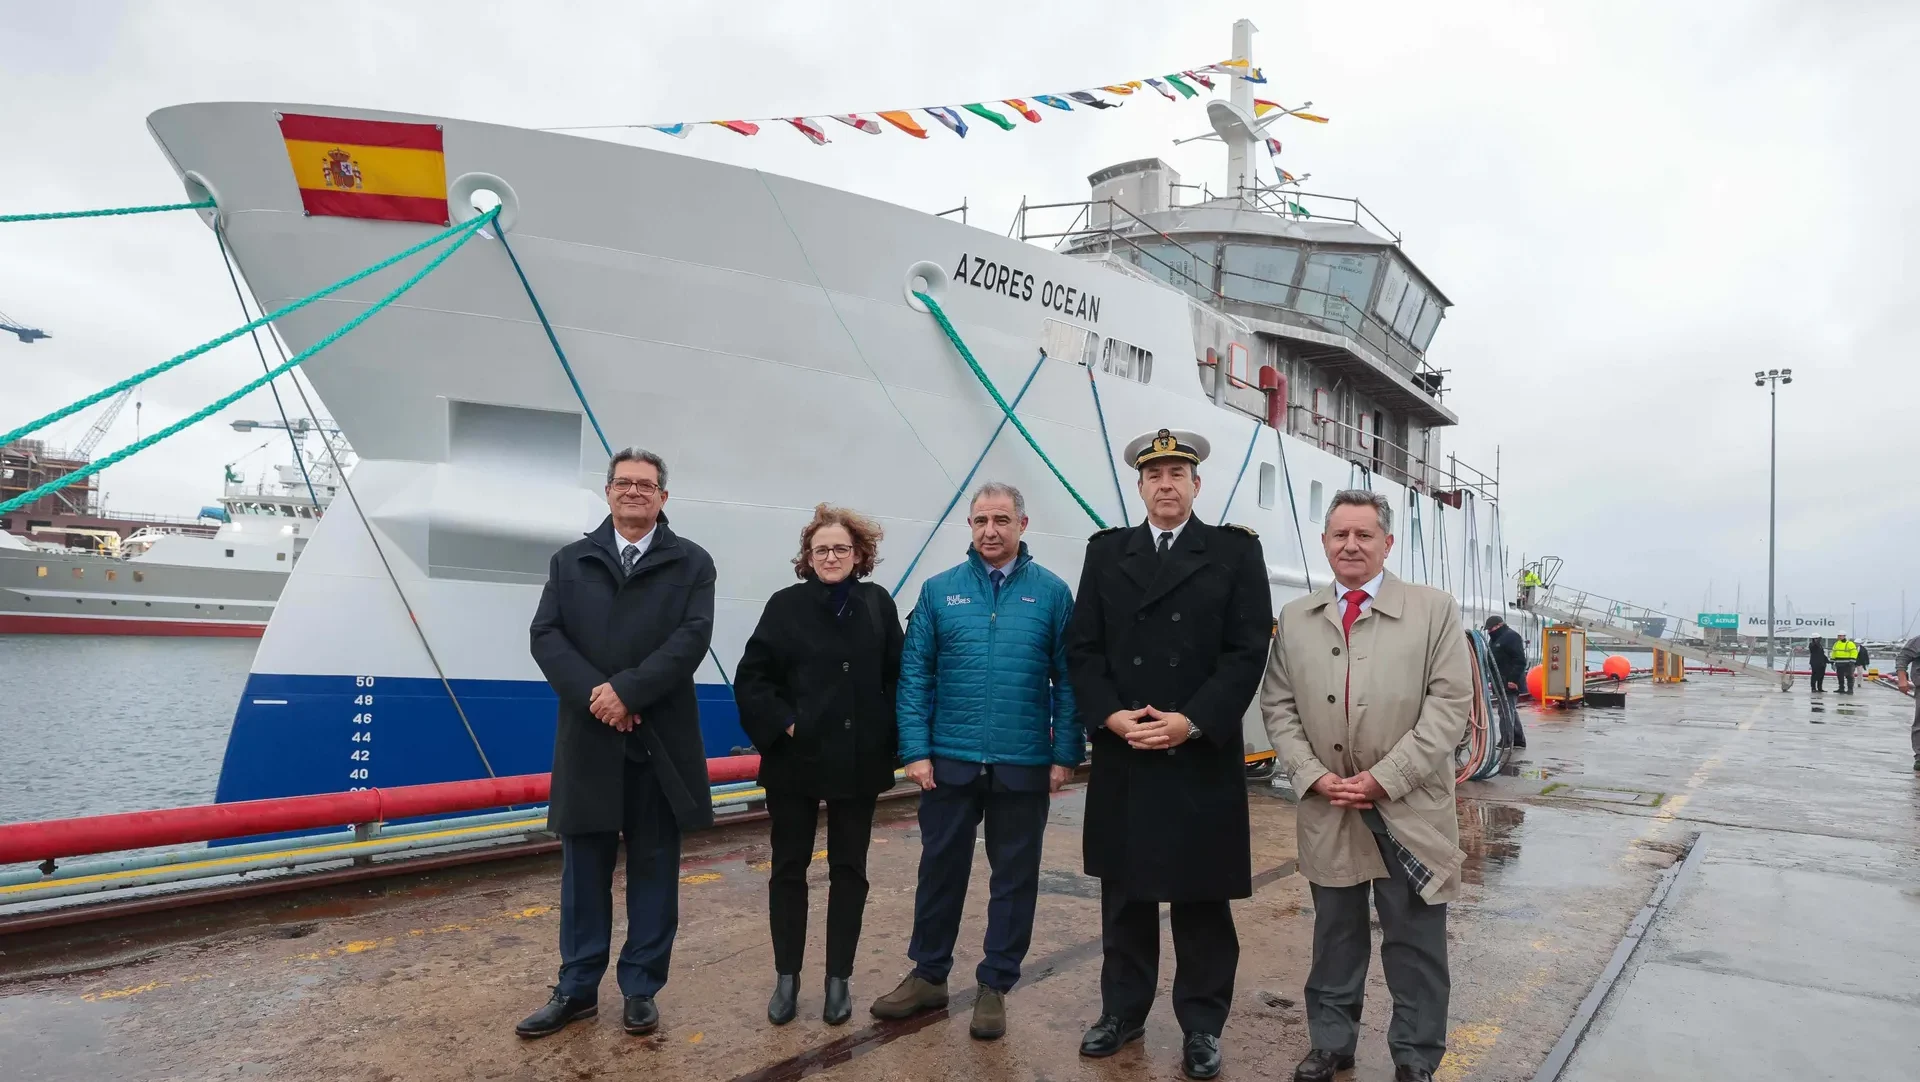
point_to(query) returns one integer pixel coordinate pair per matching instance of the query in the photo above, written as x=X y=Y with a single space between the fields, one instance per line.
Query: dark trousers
x=1206 y=954
x=849 y=830
x=1413 y=952
x=1016 y=825
x=653 y=895
x=1843 y=675
x=1916 y=731
x=1818 y=681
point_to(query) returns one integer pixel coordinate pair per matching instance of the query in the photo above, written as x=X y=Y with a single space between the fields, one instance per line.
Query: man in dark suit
x=625 y=620
x=1509 y=655
x=1167 y=643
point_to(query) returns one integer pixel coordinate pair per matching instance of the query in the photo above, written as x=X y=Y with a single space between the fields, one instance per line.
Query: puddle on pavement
x=1487 y=836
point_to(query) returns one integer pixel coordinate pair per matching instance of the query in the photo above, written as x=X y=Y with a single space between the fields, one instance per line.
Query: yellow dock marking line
x=138 y=989
x=1470 y=1042
x=360 y=946
x=1673 y=805
x=343 y=849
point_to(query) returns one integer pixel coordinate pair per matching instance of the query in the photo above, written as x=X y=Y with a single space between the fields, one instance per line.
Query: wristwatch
x=1193 y=731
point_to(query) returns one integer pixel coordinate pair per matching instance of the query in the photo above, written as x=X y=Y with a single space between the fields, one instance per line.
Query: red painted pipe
x=62 y=838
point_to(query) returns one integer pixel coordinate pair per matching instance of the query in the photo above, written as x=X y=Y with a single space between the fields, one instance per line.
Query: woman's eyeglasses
x=838 y=552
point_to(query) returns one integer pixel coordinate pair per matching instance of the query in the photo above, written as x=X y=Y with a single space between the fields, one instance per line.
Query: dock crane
x=28 y=335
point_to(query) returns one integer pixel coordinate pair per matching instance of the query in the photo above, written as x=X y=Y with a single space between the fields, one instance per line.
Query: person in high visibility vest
x=1529 y=581
x=1845 y=654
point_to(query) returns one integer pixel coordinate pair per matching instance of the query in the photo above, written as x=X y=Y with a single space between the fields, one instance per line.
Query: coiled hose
x=1491 y=720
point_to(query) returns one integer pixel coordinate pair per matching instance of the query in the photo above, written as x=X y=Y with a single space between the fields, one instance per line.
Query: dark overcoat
x=645 y=633
x=1186 y=632
x=832 y=677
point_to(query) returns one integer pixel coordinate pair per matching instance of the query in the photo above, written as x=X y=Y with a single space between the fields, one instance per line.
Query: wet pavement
x=1789 y=946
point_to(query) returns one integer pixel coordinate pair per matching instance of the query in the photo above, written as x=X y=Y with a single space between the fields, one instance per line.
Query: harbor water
x=98 y=724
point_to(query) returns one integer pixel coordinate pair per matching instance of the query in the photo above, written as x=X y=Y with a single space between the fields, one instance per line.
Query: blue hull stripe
x=296 y=735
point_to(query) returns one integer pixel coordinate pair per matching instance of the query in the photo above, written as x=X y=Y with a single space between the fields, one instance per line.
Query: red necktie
x=1353 y=599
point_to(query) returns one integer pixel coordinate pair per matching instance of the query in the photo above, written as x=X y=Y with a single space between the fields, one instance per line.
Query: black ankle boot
x=785 y=999
x=839 y=1006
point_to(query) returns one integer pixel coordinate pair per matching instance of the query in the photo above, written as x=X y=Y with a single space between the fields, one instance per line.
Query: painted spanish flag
x=367 y=168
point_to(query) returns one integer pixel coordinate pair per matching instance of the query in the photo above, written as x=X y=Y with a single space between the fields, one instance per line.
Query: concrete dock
x=1779 y=835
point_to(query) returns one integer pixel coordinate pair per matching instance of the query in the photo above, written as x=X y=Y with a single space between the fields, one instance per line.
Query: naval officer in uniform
x=1167 y=643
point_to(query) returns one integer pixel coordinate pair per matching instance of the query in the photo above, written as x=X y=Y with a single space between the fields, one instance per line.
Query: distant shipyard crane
x=98 y=431
x=27 y=334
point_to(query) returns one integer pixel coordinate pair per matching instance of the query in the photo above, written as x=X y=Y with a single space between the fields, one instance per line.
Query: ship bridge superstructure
x=1314 y=287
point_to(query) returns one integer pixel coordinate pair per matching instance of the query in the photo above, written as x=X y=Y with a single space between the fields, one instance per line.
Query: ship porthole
x=199 y=190
x=473 y=194
x=926 y=277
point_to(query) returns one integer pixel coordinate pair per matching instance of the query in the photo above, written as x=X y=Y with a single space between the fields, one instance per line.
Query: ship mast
x=1240 y=142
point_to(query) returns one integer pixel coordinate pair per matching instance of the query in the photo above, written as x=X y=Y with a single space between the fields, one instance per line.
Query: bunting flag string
x=1261 y=107
x=809 y=129
x=1176 y=87
x=901 y=119
x=1021 y=107
x=954 y=122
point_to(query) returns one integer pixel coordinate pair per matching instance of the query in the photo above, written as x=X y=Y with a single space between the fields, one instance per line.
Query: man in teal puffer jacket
x=988 y=729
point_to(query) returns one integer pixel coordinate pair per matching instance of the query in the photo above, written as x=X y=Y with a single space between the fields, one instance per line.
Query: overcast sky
x=1633 y=205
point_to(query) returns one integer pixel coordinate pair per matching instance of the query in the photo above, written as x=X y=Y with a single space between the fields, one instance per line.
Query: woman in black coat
x=1817 y=661
x=816 y=694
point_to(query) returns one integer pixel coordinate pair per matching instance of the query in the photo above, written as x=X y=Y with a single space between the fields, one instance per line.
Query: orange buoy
x=1617 y=667
x=1537 y=682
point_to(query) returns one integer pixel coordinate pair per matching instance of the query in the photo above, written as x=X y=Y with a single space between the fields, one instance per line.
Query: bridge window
x=1262 y=275
x=1268 y=479
x=1181 y=268
x=79 y=572
x=139 y=576
x=1429 y=322
x=112 y=574
x=1335 y=287
x=41 y=571
x=1314 y=496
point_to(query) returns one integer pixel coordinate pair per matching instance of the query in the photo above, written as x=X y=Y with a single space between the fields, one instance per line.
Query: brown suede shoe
x=989 y=1014
x=913 y=996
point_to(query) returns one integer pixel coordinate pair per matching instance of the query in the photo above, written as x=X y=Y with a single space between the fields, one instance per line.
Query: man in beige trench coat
x=1367 y=692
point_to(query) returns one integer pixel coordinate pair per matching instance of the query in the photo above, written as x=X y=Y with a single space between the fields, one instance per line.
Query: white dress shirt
x=645 y=543
x=1372 y=588
x=1157 y=531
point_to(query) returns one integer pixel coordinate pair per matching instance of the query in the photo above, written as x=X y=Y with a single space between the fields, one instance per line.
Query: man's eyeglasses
x=838 y=552
x=623 y=484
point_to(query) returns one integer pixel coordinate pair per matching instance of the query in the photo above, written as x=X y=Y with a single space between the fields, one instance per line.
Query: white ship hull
x=752 y=329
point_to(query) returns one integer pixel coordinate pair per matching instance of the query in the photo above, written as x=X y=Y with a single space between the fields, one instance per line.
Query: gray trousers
x=1413 y=952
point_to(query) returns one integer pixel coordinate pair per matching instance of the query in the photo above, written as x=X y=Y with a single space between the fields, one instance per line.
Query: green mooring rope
x=979 y=373
x=110 y=212
x=466 y=232
x=141 y=377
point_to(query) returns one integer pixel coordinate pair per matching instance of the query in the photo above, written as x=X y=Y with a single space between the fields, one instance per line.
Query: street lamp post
x=1771 y=379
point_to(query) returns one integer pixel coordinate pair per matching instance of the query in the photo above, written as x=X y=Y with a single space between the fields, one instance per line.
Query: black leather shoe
x=785 y=999
x=1404 y=1073
x=1320 y=1065
x=1110 y=1034
x=554 y=1017
x=839 y=1006
x=641 y=1017
x=1201 y=1056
